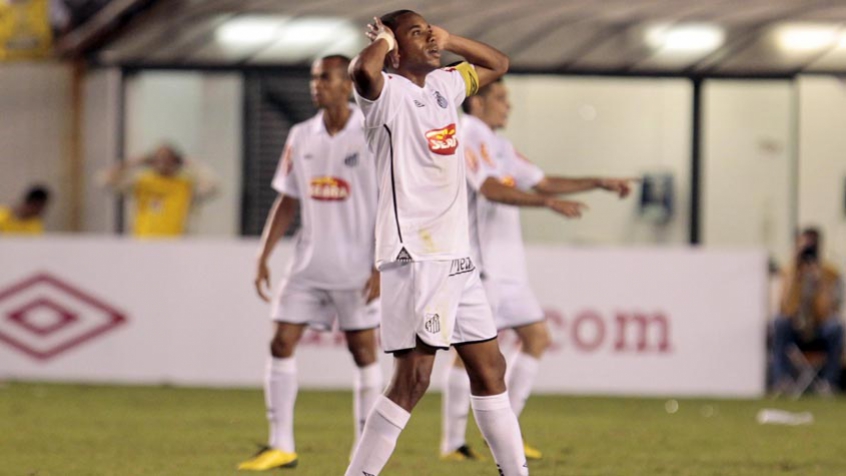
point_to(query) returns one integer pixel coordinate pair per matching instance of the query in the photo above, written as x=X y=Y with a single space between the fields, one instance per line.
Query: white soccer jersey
x=334 y=177
x=413 y=133
x=495 y=228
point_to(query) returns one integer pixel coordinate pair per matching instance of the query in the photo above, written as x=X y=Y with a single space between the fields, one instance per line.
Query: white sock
x=455 y=410
x=376 y=444
x=367 y=386
x=501 y=430
x=280 y=394
x=523 y=370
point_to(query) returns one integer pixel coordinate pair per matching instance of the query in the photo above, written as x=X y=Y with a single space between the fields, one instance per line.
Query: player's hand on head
x=622 y=187
x=377 y=30
x=373 y=288
x=262 y=281
x=567 y=208
x=441 y=37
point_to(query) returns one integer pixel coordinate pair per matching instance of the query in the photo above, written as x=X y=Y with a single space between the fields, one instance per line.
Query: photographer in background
x=810 y=313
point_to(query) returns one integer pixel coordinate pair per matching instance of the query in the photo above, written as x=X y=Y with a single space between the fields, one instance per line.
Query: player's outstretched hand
x=262 y=281
x=567 y=208
x=622 y=187
x=373 y=287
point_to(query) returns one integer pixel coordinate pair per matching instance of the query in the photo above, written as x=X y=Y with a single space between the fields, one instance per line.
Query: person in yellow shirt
x=164 y=191
x=26 y=218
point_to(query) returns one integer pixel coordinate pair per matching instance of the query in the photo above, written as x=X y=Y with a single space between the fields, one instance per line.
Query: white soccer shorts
x=442 y=303
x=296 y=303
x=513 y=304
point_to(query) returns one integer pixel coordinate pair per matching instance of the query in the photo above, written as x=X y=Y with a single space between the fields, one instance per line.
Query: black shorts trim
x=457 y=344
x=371 y=328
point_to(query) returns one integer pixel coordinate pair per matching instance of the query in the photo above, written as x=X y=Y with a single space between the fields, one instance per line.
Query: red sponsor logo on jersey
x=443 y=141
x=329 y=189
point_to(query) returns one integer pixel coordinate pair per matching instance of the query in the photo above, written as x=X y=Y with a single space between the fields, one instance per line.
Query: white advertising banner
x=624 y=322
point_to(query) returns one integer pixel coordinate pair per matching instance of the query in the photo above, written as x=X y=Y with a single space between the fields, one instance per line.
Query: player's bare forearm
x=565 y=186
x=278 y=221
x=495 y=191
x=490 y=63
x=366 y=69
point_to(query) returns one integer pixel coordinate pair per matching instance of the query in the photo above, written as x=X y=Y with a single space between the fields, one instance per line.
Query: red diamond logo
x=28 y=317
x=43 y=316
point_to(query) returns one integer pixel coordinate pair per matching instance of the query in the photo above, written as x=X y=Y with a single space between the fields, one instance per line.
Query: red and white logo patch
x=43 y=316
x=443 y=141
x=329 y=189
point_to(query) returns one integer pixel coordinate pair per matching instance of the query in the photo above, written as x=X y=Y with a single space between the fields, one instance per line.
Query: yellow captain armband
x=471 y=78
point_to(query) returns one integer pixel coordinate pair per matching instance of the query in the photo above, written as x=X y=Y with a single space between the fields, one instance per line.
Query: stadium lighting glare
x=284 y=33
x=315 y=31
x=807 y=37
x=685 y=38
x=250 y=30
x=842 y=43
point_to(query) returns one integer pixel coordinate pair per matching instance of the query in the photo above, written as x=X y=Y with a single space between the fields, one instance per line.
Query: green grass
x=67 y=430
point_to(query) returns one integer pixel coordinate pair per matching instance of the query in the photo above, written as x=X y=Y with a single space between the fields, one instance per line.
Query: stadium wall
x=625 y=322
x=35 y=126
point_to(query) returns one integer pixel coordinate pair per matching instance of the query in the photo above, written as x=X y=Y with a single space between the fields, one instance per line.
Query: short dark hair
x=391 y=20
x=465 y=106
x=344 y=60
x=813 y=232
x=37 y=194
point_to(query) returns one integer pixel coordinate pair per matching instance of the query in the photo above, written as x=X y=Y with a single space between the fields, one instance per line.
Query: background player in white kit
x=501 y=180
x=327 y=172
x=432 y=297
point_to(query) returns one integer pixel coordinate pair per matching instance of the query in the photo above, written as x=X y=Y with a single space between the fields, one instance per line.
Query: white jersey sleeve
x=380 y=110
x=526 y=174
x=285 y=181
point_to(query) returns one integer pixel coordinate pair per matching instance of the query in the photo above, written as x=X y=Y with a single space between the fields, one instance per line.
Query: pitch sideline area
x=68 y=430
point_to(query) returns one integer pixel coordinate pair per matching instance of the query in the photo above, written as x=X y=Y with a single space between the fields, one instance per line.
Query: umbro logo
x=365 y=473
x=418 y=103
x=351 y=160
x=404 y=256
x=442 y=101
x=433 y=323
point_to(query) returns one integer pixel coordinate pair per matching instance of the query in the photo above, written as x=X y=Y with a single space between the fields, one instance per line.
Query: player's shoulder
x=474 y=129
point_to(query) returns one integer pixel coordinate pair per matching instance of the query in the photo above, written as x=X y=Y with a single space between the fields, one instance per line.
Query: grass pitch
x=68 y=430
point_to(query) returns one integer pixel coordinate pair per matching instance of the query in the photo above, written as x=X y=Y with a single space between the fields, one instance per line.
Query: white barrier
x=636 y=322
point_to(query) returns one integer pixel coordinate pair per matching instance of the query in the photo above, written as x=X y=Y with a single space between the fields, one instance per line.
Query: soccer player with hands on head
x=432 y=295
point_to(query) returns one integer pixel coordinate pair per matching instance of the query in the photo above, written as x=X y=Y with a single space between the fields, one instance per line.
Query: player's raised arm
x=366 y=68
x=490 y=63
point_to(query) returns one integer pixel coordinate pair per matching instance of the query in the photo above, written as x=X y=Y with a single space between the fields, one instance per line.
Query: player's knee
x=282 y=348
x=362 y=355
x=538 y=345
x=488 y=377
x=416 y=384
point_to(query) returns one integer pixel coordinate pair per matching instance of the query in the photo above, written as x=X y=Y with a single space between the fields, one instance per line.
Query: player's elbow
x=502 y=64
x=492 y=190
x=359 y=73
